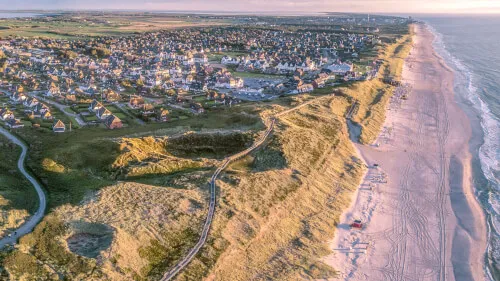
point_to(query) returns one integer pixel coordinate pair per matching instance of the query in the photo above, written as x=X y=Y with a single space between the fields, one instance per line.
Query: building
x=15 y=123
x=113 y=122
x=59 y=127
x=340 y=69
x=95 y=106
x=136 y=102
x=103 y=113
x=162 y=115
x=6 y=114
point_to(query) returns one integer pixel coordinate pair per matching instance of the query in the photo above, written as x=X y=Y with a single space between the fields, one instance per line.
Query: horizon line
x=249 y=12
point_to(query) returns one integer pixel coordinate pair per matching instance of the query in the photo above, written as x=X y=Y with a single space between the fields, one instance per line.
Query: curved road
x=30 y=224
x=211 y=211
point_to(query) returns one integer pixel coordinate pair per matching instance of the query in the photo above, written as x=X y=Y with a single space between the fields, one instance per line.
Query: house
x=320 y=82
x=162 y=115
x=103 y=113
x=41 y=108
x=305 y=88
x=147 y=109
x=95 y=106
x=18 y=97
x=14 y=123
x=200 y=58
x=31 y=102
x=340 y=69
x=53 y=91
x=230 y=61
x=136 y=102
x=47 y=115
x=113 y=122
x=59 y=127
x=6 y=114
x=33 y=114
x=197 y=108
x=70 y=98
x=111 y=96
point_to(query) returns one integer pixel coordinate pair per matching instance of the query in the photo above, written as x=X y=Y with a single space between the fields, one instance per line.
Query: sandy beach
x=421 y=218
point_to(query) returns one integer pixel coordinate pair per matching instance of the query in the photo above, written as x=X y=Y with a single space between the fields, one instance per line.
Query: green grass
x=87 y=154
x=257 y=75
x=121 y=115
x=70 y=167
x=17 y=192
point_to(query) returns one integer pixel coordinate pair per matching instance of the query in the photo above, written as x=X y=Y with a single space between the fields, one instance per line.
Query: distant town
x=158 y=76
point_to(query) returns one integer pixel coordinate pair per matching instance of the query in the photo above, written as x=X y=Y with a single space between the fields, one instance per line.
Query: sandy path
x=424 y=223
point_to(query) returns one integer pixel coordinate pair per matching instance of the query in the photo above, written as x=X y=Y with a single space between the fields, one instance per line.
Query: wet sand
x=424 y=223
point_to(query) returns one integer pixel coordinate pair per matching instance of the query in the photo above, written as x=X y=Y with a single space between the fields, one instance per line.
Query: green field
x=17 y=196
x=77 y=25
x=257 y=75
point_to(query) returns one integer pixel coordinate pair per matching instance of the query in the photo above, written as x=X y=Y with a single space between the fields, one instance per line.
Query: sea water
x=9 y=15
x=471 y=46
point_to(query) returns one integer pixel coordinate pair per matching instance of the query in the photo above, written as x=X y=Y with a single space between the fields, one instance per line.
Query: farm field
x=75 y=25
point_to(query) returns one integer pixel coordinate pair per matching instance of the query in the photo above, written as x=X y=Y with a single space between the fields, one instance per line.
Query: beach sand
x=424 y=223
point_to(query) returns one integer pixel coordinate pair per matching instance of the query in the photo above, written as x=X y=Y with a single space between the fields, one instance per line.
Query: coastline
x=473 y=105
x=426 y=222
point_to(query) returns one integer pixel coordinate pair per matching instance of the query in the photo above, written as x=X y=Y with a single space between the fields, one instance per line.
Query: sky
x=362 y=6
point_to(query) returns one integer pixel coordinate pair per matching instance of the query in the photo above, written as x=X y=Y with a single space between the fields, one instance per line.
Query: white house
x=340 y=69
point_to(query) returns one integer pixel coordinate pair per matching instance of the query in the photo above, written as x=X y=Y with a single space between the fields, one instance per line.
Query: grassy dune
x=373 y=96
x=279 y=205
x=110 y=226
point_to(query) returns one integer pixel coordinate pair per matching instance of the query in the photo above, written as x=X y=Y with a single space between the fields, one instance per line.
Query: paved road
x=211 y=211
x=64 y=108
x=28 y=226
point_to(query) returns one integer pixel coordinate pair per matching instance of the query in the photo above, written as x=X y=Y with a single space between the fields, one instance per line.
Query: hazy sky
x=373 y=6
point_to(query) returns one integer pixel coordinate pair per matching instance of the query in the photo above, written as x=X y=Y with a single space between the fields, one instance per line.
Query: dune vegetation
x=373 y=96
x=279 y=205
x=134 y=206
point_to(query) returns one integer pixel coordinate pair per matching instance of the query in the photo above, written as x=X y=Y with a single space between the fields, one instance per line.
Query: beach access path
x=32 y=221
x=270 y=123
x=424 y=223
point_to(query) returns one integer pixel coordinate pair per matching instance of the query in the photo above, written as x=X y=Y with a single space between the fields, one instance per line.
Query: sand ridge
x=424 y=223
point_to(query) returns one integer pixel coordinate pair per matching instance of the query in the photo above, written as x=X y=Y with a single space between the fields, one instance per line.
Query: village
x=160 y=76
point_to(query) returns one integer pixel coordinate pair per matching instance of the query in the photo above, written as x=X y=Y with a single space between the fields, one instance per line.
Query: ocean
x=9 y=15
x=470 y=46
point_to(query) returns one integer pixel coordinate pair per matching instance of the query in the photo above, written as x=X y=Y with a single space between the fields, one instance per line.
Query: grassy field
x=76 y=25
x=18 y=199
x=257 y=75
